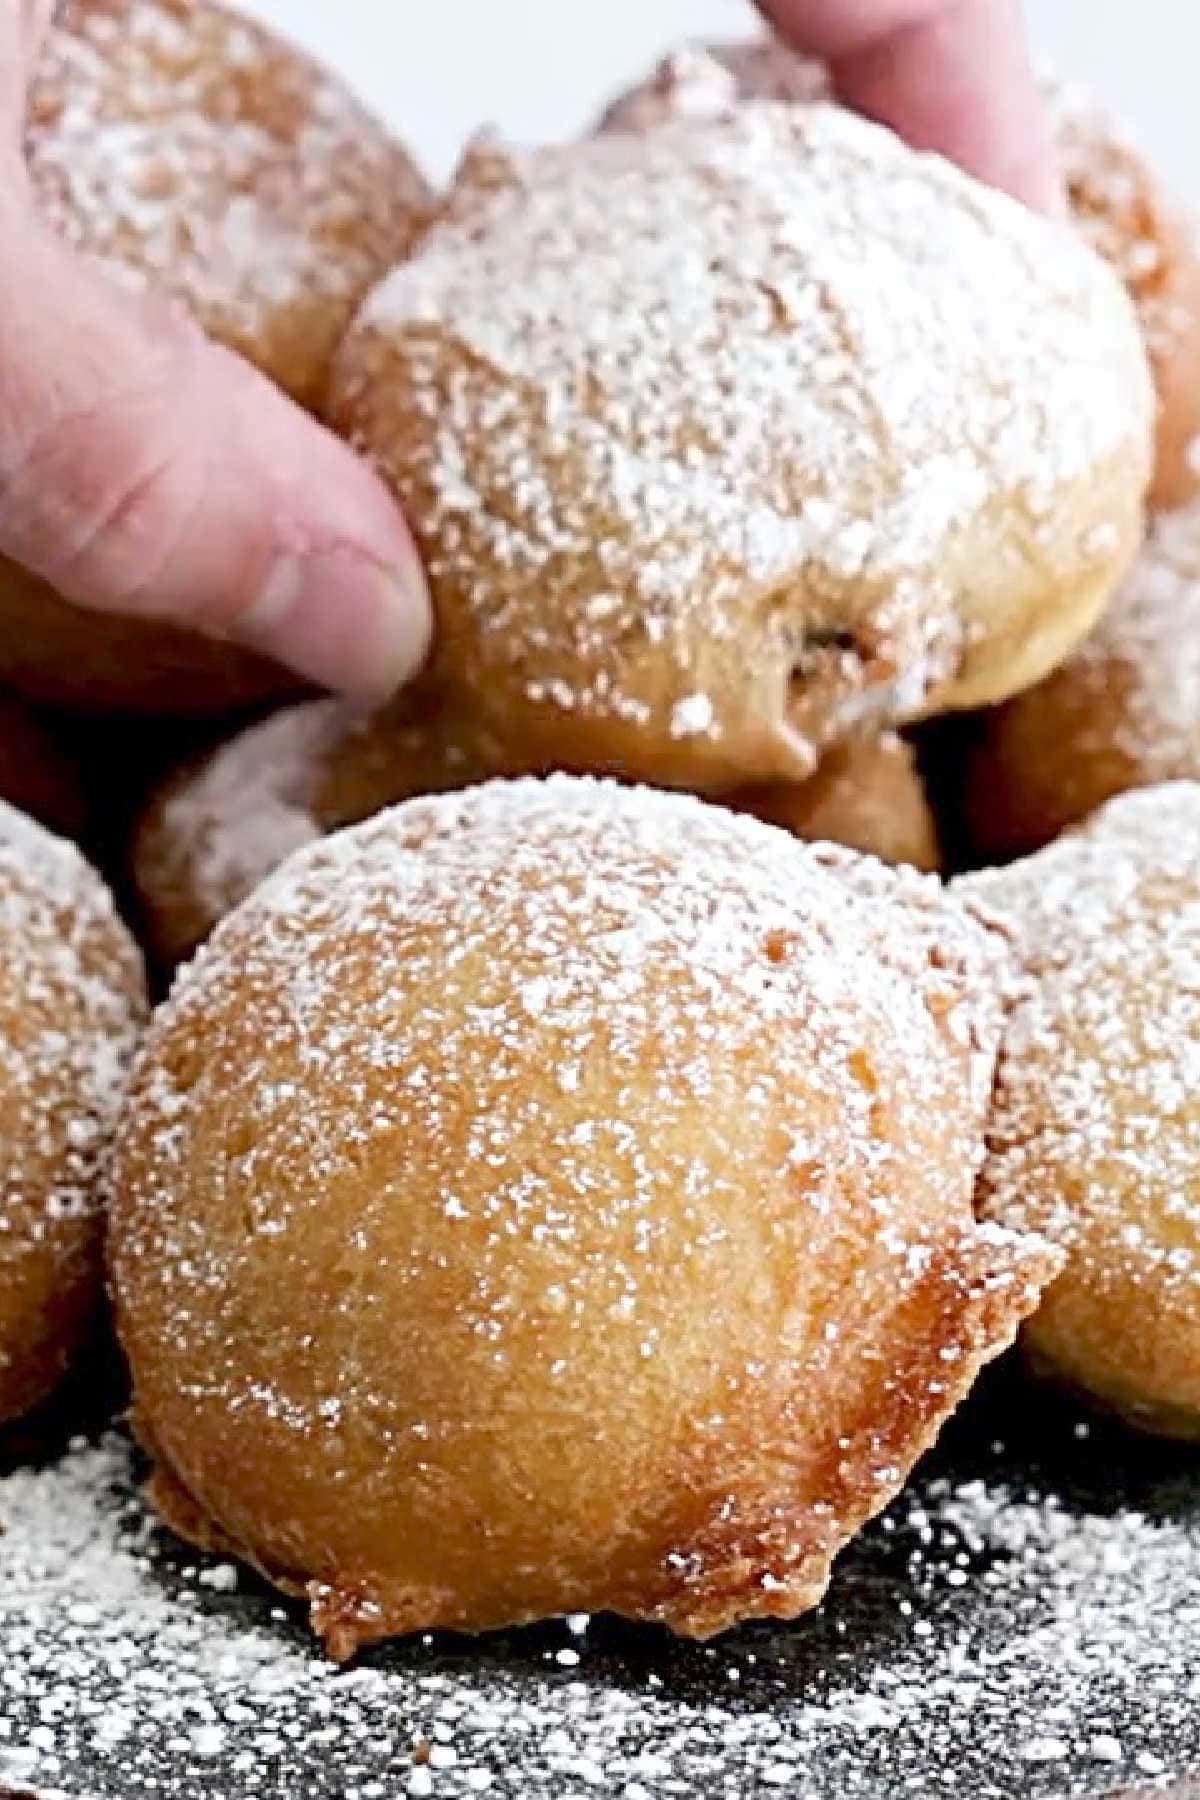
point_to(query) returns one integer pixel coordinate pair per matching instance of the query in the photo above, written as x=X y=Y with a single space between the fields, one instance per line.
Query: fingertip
x=342 y=619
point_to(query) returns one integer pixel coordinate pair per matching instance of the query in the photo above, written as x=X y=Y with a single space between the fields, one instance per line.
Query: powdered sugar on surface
x=999 y=1632
x=1117 y=204
x=1140 y=668
x=1111 y=186
x=703 y=80
x=1094 y=1129
x=71 y=987
x=186 y=146
x=686 y=369
x=234 y=819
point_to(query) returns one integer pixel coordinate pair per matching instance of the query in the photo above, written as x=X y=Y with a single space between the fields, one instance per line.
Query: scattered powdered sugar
x=987 y=1636
x=186 y=145
x=743 y=378
x=224 y=823
x=1112 y=191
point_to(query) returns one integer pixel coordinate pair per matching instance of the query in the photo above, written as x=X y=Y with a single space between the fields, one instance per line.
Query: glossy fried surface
x=867 y=794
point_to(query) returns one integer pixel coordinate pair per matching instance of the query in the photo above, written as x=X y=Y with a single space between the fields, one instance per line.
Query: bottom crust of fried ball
x=1095 y=1132
x=71 y=1001
x=221 y=825
x=557 y=1197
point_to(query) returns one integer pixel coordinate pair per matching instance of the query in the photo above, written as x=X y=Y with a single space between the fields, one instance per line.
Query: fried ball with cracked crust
x=726 y=441
x=1122 y=712
x=1114 y=194
x=557 y=1197
x=195 y=152
x=71 y=1006
x=1094 y=1138
x=224 y=822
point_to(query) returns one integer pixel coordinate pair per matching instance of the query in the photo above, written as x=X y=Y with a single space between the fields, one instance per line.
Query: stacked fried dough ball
x=1122 y=712
x=71 y=1001
x=553 y=1194
x=684 y=507
x=222 y=824
x=1115 y=200
x=1094 y=1135
x=556 y=1197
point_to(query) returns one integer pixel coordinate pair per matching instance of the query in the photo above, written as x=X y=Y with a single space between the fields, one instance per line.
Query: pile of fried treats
x=607 y=1105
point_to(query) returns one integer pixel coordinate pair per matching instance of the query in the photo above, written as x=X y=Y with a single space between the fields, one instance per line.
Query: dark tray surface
x=1024 y=1624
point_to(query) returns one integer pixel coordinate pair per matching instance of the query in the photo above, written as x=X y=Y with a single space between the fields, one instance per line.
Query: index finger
x=949 y=75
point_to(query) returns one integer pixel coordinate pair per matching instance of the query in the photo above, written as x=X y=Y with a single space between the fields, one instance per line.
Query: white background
x=539 y=68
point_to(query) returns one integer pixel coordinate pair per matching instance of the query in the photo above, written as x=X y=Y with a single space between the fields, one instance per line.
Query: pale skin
x=146 y=472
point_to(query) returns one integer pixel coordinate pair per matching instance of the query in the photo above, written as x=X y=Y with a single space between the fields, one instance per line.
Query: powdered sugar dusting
x=613 y=919
x=228 y=823
x=222 y=825
x=658 y=369
x=1093 y=1136
x=1135 y=682
x=70 y=991
x=186 y=146
x=988 y=1635
x=1116 y=203
x=704 y=80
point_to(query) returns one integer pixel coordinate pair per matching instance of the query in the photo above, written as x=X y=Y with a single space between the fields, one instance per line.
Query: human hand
x=145 y=471
x=948 y=75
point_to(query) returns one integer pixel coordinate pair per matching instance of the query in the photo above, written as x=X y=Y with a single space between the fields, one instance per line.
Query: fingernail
x=343 y=620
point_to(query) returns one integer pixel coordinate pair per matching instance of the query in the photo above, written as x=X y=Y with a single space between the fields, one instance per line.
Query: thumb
x=949 y=75
x=147 y=472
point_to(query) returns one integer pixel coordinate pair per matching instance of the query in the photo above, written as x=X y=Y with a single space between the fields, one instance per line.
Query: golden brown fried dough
x=1095 y=1132
x=1114 y=195
x=1122 y=712
x=1122 y=210
x=71 y=1004
x=191 y=150
x=223 y=823
x=725 y=441
x=557 y=1197
x=867 y=793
